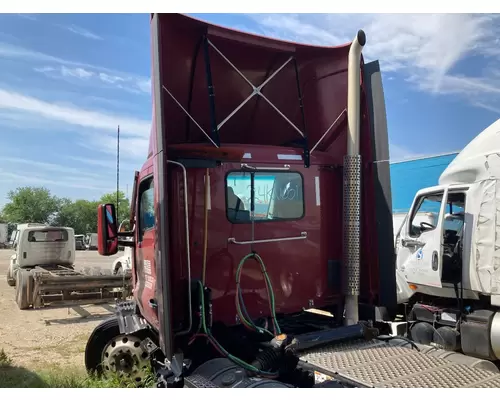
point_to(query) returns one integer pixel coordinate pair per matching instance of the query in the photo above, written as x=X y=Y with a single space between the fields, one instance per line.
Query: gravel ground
x=38 y=339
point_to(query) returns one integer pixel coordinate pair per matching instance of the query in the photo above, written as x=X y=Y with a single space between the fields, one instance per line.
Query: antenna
x=117 y=170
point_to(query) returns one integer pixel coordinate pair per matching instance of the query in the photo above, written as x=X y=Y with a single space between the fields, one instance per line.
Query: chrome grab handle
x=303 y=235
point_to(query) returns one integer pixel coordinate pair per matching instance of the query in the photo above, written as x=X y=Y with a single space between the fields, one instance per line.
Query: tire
x=10 y=281
x=23 y=287
x=98 y=341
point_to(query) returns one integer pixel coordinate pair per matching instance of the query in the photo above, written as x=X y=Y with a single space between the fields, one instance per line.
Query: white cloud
x=133 y=148
x=425 y=48
x=144 y=85
x=74 y=177
x=108 y=164
x=121 y=81
x=399 y=153
x=21 y=164
x=110 y=79
x=44 y=70
x=16 y=52
x=99 y=128
x=82 y=32
x=488 y=107
x=301 y=29
x=73 y=115
x=77 y=70
x=36 y=179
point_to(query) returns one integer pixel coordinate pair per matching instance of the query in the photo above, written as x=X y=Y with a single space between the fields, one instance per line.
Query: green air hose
x=234 y=359
x=240 y=306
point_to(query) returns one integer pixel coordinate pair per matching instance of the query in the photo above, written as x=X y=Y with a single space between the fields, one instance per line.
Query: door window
x=277 y=196
x=146 y=207
x=426 y=214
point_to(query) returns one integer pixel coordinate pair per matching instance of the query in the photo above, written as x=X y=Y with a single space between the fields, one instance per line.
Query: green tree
x=30 y=204
x=81 y=215
x=123 y=208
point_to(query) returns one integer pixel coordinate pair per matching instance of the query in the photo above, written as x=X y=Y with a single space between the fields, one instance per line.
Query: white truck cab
x=448 y=269
x=460 y=245
x=41 y=245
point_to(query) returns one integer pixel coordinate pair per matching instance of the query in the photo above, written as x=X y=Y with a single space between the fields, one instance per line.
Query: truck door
x=420 y=253
x=145 y=253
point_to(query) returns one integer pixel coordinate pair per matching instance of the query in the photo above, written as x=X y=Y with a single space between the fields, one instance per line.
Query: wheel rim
x=124 y=356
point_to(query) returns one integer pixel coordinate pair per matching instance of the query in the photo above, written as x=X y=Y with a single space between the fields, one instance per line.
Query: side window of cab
x=426 y=214
x=146 y=207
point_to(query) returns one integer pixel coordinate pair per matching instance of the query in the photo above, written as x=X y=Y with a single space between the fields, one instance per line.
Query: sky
x=68 y=80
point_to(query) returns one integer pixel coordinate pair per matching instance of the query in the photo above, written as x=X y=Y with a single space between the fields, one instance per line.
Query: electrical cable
x=405 y=339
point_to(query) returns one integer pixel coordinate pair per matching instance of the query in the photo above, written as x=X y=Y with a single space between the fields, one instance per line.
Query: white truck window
x=48 y=236
x=425 y=217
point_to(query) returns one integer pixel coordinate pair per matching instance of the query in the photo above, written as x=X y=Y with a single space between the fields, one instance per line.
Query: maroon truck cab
x=247 y=156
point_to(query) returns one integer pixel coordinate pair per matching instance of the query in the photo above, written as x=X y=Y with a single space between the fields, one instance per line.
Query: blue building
x=409 y=176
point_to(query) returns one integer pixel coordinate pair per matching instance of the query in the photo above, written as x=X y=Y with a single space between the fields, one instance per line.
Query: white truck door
x=420 y=253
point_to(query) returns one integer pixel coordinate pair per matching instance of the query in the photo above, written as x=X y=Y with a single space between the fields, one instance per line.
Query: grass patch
x=12 y=376
x=5 y=360
x=78 y=379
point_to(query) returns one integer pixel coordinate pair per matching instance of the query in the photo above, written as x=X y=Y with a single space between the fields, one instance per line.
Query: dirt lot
x=42 y=338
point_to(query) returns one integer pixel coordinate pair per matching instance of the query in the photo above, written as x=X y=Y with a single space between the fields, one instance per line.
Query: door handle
x=435 y=261
x=411 y=242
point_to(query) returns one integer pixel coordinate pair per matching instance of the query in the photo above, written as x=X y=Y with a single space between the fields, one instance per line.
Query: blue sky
x=68 y=80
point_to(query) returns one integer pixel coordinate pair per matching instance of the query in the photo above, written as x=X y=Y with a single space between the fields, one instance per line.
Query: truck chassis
x=60 y=286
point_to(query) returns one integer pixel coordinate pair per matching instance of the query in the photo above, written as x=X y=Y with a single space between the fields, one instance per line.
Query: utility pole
x=117 y=172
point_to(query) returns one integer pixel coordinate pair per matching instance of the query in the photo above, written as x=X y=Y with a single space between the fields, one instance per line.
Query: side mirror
x=107 y=233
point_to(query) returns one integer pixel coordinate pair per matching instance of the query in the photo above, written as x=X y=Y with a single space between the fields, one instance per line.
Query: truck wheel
x=10 y=281
x=108 y=351
x=23 y=287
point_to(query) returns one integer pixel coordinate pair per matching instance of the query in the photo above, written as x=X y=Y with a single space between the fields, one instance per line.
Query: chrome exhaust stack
x=352 y=183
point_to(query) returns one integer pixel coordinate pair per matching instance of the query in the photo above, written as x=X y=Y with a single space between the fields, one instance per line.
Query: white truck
x=42 y=271
x=123 y=265
x=448 y=269
x=4 y=235
x=91 y=241
x=80 y=242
